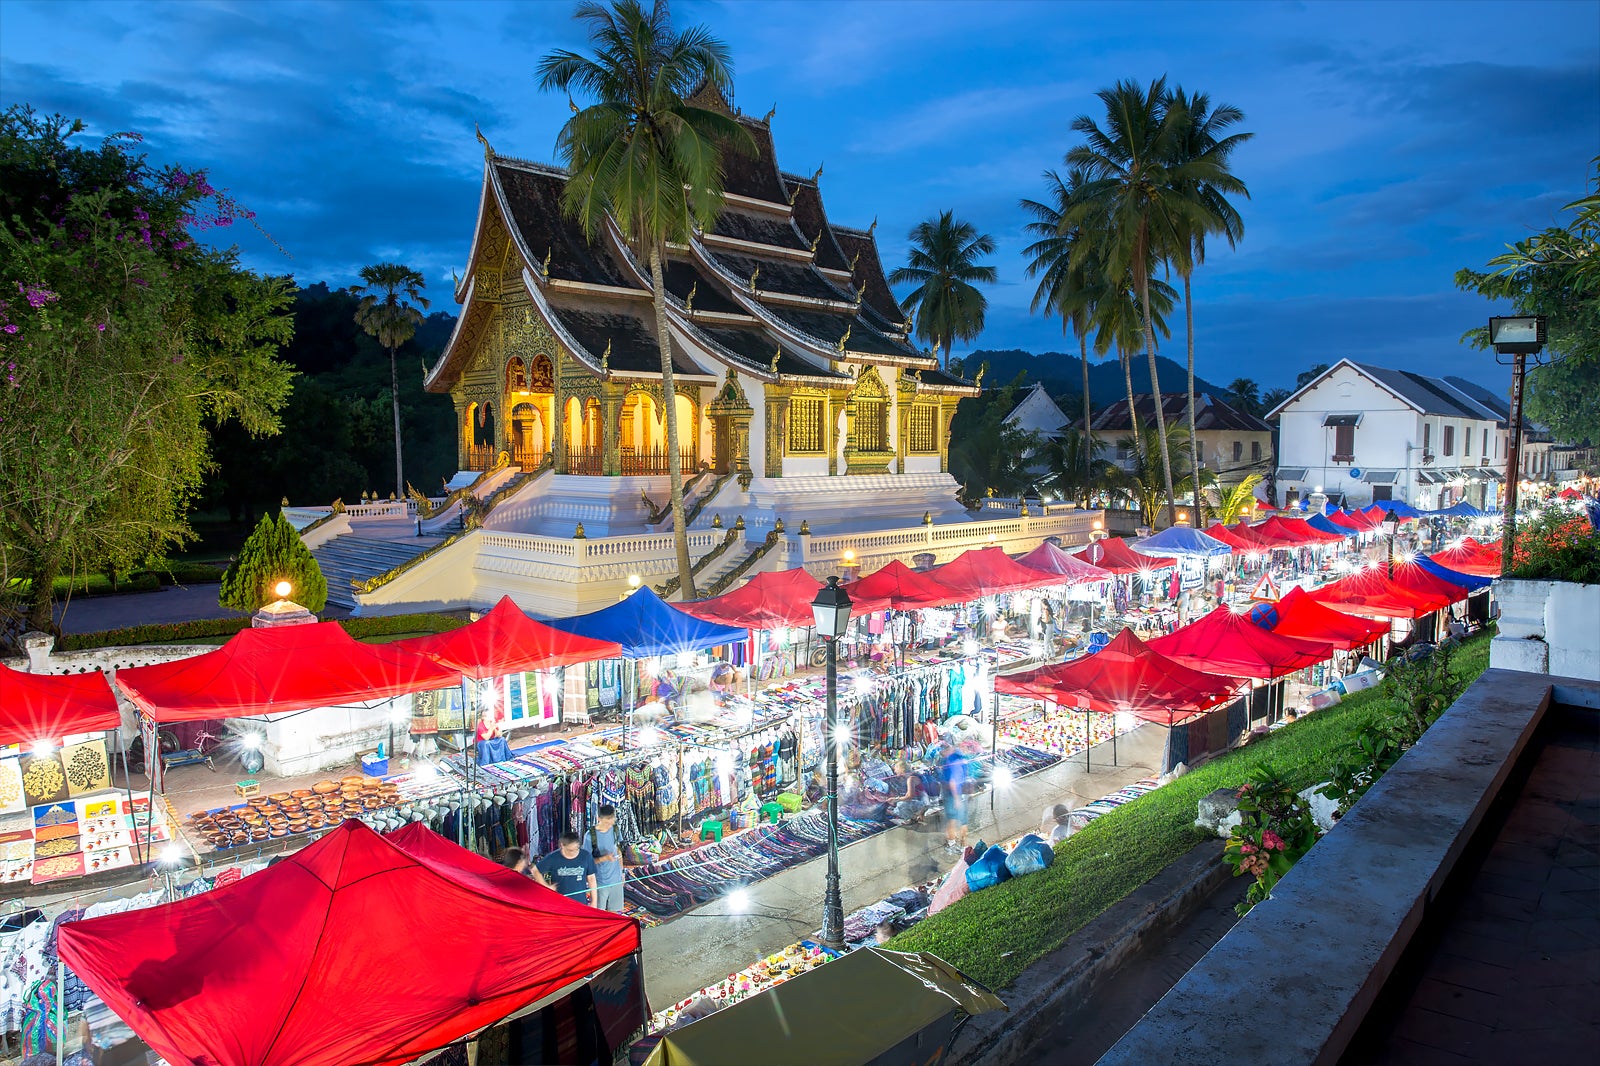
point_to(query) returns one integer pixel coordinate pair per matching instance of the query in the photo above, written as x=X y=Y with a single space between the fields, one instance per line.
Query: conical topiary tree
x=274 y=552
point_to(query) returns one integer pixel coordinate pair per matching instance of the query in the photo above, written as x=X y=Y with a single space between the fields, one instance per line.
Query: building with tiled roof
x=1232 y=443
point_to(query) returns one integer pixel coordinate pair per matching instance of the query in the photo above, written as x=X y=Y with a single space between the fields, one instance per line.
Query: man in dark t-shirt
x=570 y=870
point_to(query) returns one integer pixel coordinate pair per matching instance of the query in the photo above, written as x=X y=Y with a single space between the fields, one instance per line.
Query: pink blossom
x=1272 y=841
x=1247 y=848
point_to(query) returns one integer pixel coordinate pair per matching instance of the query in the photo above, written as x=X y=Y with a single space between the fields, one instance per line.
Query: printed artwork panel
x=12 y=800
x=44 y=779
x=87 y=766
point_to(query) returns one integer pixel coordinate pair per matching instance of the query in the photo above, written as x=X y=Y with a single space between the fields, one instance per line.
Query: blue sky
x=1395 y=142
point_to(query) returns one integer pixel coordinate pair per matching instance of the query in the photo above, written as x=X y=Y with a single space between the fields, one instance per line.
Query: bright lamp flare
x=250 y=741
x=172 y=854
x=282 y=589
x=738 y=900
x=841 y=735
x=1003 y=776
x=42 y=748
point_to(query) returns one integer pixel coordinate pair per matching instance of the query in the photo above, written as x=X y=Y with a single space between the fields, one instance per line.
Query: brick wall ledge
x=1326 y=942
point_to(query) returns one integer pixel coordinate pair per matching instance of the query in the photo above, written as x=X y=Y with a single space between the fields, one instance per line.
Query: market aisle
x=684 y=955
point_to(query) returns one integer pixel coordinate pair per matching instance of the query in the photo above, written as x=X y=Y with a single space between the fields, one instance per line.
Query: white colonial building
x=1367 y=433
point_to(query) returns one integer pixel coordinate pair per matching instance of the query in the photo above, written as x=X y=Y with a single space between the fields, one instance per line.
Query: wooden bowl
x=371 y=782
x=316 y=821
x=323 y=788
x=302 y=793
x=278 y=797
x=353 y=779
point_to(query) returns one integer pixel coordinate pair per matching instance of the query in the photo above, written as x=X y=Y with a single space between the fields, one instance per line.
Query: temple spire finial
x=873 y=226
x=488 y=149
x=818 y=175
x=767 y=118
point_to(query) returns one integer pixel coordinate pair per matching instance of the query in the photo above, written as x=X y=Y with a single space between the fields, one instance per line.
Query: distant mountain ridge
x=1062 y=373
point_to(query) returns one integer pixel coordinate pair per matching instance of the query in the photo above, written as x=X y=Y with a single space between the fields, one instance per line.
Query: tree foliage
x=122 y=338
x=645 y=156
x=943 y=265
x=273 y=553
x=1555 y=273
x=987 y=453
x=391 y=310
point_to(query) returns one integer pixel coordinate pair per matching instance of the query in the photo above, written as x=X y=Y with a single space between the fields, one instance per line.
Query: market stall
x=871 y=1007
x=1470 y=557
x=771 y=605
x=1227 y=642
x=308 y=961
x=1300 y=616
x=60 y=814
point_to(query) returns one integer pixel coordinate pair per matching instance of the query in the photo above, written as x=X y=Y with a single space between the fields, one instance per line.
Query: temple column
x=610 y=425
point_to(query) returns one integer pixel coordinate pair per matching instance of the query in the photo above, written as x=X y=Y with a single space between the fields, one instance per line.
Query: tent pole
x=1114 y=740
x=1087 y=739
x=61 y=1010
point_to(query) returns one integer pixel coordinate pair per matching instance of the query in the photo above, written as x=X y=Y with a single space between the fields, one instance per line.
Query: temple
x=798 y=392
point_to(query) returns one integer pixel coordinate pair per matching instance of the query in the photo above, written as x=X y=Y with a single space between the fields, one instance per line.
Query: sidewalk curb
x=1071 y=973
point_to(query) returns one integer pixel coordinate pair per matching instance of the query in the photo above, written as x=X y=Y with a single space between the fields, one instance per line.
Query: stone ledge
x=1070 y=974
x=1332 y=932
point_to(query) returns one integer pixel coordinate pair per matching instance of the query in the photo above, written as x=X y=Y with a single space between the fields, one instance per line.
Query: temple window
x=872 y=425
x=805 y=425
x=923 y=428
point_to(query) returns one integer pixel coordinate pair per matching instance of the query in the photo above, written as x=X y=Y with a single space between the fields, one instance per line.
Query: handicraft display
x=12 y=800
x=87 y=767
x=43 y=779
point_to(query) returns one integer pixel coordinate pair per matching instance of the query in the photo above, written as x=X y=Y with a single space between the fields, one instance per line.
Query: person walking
x=952 y=786
x=569 y=870
x=515 y=859
x=601 y=841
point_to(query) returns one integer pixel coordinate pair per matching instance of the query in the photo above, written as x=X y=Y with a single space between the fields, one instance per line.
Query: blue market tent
x=1181 y=540
x=1470 y=582
x=646 y=627
x=1460 y=510
x=1401 y=508
x=1318 y=521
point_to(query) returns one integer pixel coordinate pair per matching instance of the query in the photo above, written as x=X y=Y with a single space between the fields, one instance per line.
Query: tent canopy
x=1462 y=509
x=1126 y=675
x=1181 y=540
x=1402 y=510
x=897 y=587
x=645 y=626
x=1113 y=554
x=1470 y=557
x=1298 y=615
x=1370 y=592
x=1470 y=582
x=308 y=963
x=1328 y=525
x=1352 y=520
x=849 y=1012
x=50 y=706
x=980 y=572
x=269 y=671
x=1256 y=540
x=767 y=601
x=506 y=641
x=1218 y=531
x=1299 y=531
x=1229 y=643
x=1053 y=560
x=1416 y=578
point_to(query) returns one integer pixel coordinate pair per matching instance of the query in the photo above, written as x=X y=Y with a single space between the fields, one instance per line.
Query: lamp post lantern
x=1518 y=336
x=831 y=613
x=1391 y=525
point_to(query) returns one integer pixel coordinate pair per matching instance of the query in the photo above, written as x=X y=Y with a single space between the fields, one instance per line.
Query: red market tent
x=1369 y=591
x=1233 y=540
x=1126 y=675
x=359 y=950
x=1298 y=615
x=269 y=671
x=1299 y=531
x=980 y=572
x=1255 y=540
x=1053 y=560
x=507 y=641
x=767 y=601
x=51 y=706
x=1378 y=511
x=1416 y=578
x=897 y=587
x=1470 y=558
x=1355 y=520
x=1229 y=643
x=1113 y=554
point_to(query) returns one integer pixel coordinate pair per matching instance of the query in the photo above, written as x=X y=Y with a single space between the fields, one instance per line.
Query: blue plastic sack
x=1031 y=855
x=989 y=870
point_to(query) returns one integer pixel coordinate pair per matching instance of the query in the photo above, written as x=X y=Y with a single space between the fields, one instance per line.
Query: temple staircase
x=354 y=557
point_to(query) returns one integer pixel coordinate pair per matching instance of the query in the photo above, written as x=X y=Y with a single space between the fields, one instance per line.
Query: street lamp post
x=1391 y=525
x=1518 y=336
x=831 y=613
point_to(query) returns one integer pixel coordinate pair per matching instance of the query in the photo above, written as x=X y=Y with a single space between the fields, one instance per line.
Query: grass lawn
x=995 y=934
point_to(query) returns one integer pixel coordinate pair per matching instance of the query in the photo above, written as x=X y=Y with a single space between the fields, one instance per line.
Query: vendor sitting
x=914 y=803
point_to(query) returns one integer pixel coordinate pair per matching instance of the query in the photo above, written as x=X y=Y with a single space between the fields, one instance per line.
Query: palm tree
x=1119 y=324
x=644 y=156
x=1145 y=484
x=1202 y=139
x=1071 y=280
x=943 y=265
x=1246 y=395
x=1238 y=502
x=1146 y=199
x=1074 y=467
x=391 y=310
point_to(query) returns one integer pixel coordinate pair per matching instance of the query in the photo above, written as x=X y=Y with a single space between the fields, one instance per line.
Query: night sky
x=1394 y=142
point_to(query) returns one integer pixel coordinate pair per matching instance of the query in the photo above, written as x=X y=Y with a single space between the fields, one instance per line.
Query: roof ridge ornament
x=816 y=241
x=549 y=251
x=753 y=276
x=488 y=149
x=844 y=340
x=854 y=260
x=773 y=366
x=605 y=358
x=688 y=302
x=817 y=177
x=766 y=120
x=873 y=226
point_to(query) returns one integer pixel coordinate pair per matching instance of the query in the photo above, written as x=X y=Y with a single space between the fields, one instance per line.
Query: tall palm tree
x=643 y=155
x=391 y=310
x=1204 y=138
x=943 y=265
x=1145 y=484
x=1074 y=467
x=1118 y=323
x=1246 y=394
x=1146 y=199
x=1071 y=279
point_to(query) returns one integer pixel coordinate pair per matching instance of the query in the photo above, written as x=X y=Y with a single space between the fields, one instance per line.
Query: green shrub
x=996 y=934
x=274 y=552
x=1559 y=545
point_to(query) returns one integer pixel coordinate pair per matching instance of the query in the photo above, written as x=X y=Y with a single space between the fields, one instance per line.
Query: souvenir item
x=11 y=798
x=55 y=820
x=43 y=779
x=61 y=866
x=87 y=767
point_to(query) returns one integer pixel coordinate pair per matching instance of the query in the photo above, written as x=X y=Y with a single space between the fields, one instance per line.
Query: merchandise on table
x=1106 y=804
x=773 y=970
x=84 y=835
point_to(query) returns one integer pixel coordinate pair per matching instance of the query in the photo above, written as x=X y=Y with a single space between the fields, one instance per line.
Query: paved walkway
x=1513 y=975
x=710 y=942
x=170 y=603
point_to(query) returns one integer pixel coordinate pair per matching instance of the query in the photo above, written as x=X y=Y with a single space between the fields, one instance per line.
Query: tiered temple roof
x=774 y=290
